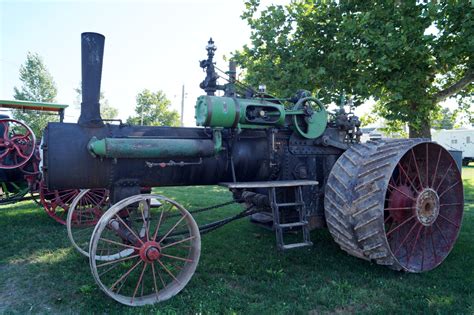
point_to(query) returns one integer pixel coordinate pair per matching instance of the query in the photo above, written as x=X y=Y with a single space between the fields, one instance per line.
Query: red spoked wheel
x=397 y=202
x=17 y=143
x=424 y=207
x=56 y=203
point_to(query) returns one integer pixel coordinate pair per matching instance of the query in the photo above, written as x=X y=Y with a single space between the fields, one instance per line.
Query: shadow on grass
x=239 y=271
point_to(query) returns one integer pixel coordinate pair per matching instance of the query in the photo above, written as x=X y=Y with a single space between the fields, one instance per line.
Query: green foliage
x=153 y=109
x=368 y=119
x=384 y=50
x=37 y=86
x=445 y=119
x=107 y=111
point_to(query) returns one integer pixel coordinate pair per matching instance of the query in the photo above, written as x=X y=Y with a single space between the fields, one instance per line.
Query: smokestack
x=92 y=47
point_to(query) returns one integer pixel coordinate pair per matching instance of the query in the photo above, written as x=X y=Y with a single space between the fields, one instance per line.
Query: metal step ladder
x=302 y=222
x=298 y=204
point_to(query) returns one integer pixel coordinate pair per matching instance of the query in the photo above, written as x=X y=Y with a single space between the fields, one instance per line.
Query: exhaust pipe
x=92 y=45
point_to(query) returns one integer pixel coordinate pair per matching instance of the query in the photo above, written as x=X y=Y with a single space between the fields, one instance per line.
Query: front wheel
x=162 y=245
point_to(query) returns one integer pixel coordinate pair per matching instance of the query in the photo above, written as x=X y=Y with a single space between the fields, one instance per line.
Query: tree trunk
x=423 y=131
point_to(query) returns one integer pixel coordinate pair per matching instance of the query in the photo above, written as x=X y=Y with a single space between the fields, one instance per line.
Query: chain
x=212 y=207
x=206 y=209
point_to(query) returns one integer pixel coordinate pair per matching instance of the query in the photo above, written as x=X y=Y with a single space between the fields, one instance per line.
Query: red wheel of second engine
x=17 y=143
x=57 y=202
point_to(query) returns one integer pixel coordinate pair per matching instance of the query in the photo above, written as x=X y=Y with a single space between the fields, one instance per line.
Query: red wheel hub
x=150 y=251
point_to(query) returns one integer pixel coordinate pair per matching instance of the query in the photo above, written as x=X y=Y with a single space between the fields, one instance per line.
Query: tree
x=153 y=109
x=408 y=55
x=445 y=119
x=38 y=86
x=107 y=111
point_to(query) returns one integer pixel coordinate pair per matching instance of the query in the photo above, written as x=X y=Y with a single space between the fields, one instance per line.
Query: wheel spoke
x=154 y=279
x=117 y=243
x=442 y=235
x=172 y=229
x=139 y=281
x=400 y=225
x=125 y=275
x=444 y=176
x=416 y=167
x=433 y=245
x=5 y=153
x=395 y=188
x=436 y=168
x=405 y=239
x=161 y=278
x=178 y=258
x=414 y=244
x=167 y=271
x=18 y=151
x=448 y=189
x=128 y=228
x=398 y=209
x=407 y=177
x=450 y=204
x=117 y=260
x=178 y=242
x=448 y=220
x=146 y=222
x=426 y=174
x=158 y=225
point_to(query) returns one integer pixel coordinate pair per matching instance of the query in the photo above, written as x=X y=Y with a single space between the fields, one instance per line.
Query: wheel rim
x=153 y=250
x=17 y=143
x=424 y=207
x=56 y=203
x=82 y=216
x=396 y=202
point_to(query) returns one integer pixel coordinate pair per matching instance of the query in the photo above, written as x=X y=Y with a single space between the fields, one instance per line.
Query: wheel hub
x=427 y=207
x=150 y=251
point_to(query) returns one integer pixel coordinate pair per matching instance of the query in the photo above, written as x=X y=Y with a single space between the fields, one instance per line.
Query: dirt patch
x=20 y=293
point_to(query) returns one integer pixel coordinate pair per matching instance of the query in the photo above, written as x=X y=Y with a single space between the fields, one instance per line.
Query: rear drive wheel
x=398 y=203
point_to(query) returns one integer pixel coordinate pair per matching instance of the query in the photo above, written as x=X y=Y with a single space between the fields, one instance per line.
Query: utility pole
x=141 y=120
x=182 y=106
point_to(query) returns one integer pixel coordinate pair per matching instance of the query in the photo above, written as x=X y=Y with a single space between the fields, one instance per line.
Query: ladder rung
x=296 y=245
x=288 y=204
x=293 y=224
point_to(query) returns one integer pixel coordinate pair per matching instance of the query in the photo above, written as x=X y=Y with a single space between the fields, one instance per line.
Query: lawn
x=240 y=270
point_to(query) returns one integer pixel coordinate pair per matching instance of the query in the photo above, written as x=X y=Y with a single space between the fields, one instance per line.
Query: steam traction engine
x=295 y=167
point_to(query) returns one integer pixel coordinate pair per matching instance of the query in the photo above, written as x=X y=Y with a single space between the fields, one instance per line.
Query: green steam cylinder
x=228 y=112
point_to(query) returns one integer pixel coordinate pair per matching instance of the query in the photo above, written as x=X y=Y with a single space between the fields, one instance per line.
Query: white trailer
x=457 y=139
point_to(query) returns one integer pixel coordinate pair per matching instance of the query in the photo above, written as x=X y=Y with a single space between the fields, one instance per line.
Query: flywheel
x=398 y=203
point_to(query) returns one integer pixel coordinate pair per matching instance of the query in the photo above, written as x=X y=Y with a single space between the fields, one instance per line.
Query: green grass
x=239 y=271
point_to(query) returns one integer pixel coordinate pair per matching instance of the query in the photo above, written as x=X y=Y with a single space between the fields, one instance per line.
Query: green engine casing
x=229 y=112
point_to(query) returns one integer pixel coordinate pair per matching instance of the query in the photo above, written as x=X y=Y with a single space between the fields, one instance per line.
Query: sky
x=155 y=45
x=152 y=45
